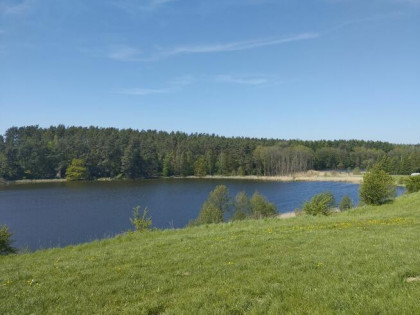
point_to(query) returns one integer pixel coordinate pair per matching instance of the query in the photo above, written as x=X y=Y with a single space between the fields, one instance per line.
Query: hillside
x=353 y=262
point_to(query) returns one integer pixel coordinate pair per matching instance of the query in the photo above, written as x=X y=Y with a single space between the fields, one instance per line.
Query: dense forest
x=34 y=153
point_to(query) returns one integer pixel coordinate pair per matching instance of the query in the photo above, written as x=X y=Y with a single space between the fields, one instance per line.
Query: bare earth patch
x=413 y=279
x=287 y=215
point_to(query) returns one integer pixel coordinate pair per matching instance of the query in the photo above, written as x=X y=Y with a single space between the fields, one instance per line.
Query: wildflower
x=8 y=282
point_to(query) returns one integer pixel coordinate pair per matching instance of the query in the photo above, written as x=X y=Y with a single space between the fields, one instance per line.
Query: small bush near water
x=346 y=203
x=6 y=241
x=261 y=207
x=413 y=184
x=141 y=223
x=219 y=204
x=215 y=207
x=319 y=204
x=377 y=188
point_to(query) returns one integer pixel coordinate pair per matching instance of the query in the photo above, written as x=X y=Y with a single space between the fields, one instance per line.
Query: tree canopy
x=36 y=153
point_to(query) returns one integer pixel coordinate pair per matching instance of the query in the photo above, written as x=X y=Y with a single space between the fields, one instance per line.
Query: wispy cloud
x=133 y=6
x=143 y=91
x=127 y=53
x=245 y=80
x=235 y=46
x=172 y=86
x=256 y=80
x=124 y=53
x=16 y=8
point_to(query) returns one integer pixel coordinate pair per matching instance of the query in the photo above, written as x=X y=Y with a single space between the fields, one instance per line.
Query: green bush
x=320 y=204
x=209 y=214
x=413 y=184
x=377 y=188
x=346 y=203
x=215 y=207
x=356 y=171
x=261 y=207
x=141 y=223
x=6 y=241
x=243 y=207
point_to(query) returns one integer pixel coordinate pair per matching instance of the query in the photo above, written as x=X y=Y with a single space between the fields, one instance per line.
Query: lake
x=59 y=214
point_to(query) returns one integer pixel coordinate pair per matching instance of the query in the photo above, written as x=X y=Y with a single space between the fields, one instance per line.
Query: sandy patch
x=413 y=279
x=287 y=215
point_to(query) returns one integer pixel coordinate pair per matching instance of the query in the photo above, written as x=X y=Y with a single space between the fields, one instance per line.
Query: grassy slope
x=354 y=262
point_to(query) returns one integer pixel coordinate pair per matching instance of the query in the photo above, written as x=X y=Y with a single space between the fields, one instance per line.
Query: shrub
x=215 y=207
x=209 y=214
x=319 y=204
x=141 y=223
x=356 y=171
x=243 y=207
x=6 y=241
x=346 y=203
x=262 y=208
x=377 y=187
x=413 y=184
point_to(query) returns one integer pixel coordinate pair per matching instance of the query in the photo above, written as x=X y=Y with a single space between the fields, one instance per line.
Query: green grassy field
x=353 y=262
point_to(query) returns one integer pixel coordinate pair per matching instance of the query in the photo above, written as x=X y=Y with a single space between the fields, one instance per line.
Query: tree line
x=32 y=152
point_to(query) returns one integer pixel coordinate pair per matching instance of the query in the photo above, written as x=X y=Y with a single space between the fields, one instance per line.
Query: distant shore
x=309 y=176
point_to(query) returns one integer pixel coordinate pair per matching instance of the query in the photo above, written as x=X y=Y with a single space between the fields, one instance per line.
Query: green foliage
x=200 y=167
x=39 y=153
x=215 y=207
x=356 y=171
x=6 y=241
x=77 y=170
x=413 y=184
x=131 y=161
x=209 y=214
x=320 y=204
x=346 y=203
x=243 y=207
x=142 y=222
x=377 y=188
x=261 y=207
x=168 y=169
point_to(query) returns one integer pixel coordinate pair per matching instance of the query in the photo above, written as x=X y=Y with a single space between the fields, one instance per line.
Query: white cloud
x=257 y=80
x=143 y=91
x=16 y=8
x=246 y=80
x=235 y=46
x=126 y=53
x=142 y=5
x=184 y=80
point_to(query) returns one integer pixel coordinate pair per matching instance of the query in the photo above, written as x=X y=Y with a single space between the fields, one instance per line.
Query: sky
x=287 y=69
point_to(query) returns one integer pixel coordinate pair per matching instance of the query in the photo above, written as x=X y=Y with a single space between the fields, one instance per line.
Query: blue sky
x=319 y=69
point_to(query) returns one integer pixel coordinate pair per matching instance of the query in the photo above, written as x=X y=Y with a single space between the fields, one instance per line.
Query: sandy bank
x=310 y=176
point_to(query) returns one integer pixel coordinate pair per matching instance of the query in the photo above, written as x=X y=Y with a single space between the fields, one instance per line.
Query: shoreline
x=309 y=176
x=355 y=179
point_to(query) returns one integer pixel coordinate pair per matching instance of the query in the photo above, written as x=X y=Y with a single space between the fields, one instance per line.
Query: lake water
x=60 y=214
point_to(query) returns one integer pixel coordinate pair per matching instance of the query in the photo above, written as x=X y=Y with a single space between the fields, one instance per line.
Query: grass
x=353 y=262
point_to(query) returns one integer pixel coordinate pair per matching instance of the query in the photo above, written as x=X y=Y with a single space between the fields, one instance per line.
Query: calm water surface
x=60 y=214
